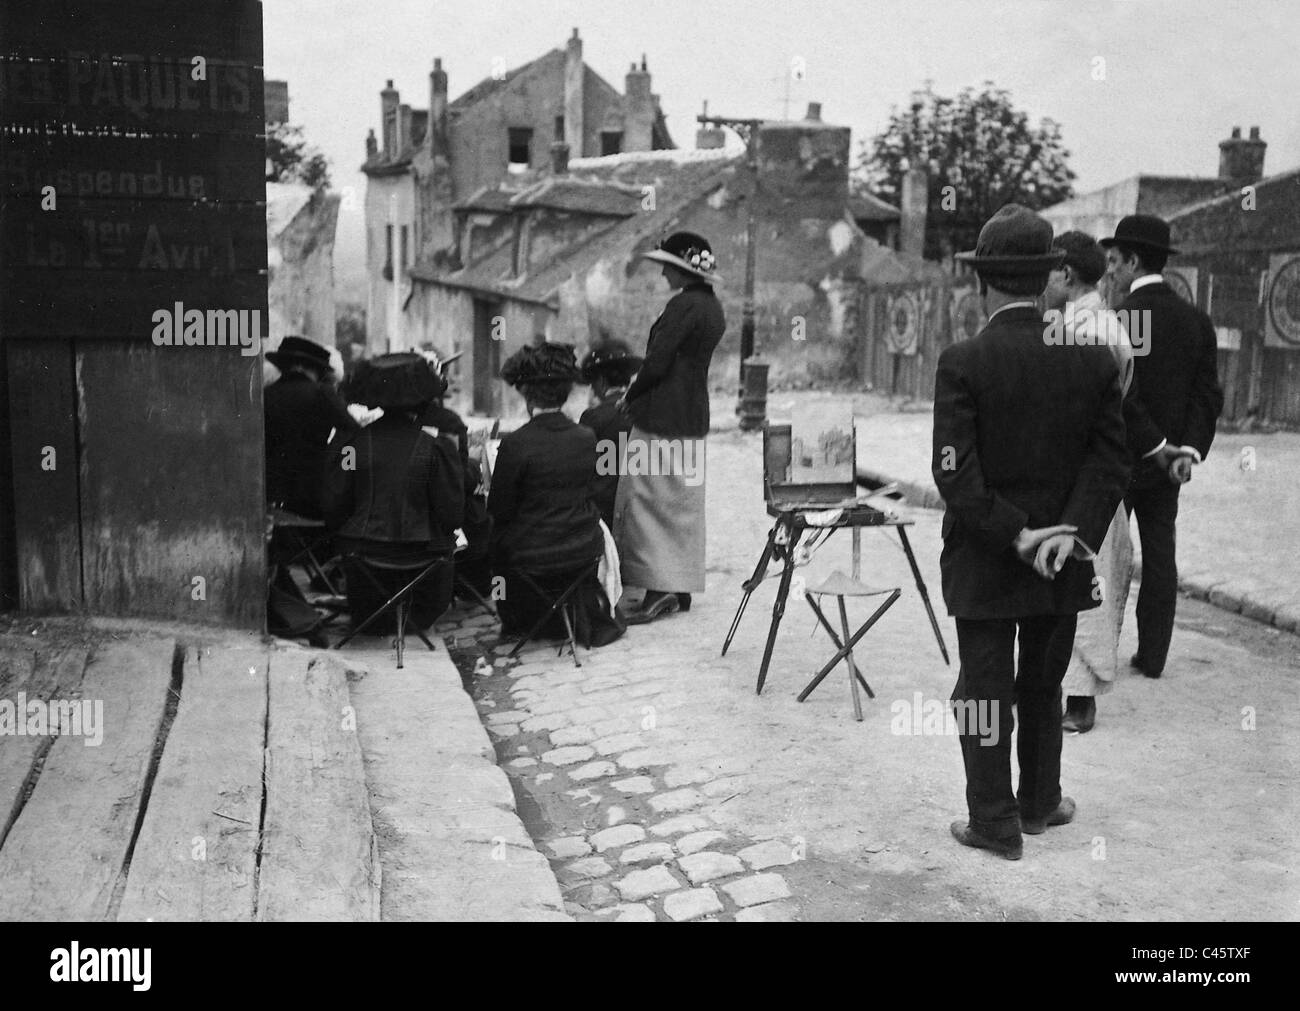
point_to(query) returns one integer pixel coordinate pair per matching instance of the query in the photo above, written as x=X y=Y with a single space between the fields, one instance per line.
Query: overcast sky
x=1178 y=74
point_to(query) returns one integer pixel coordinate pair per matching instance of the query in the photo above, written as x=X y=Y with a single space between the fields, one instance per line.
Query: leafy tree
x=290 y=159
x=980 y=153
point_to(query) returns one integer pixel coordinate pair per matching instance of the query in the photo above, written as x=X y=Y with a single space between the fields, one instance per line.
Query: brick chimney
x=437 y=129
x=388 y=101
x=372 y=146
x=403 y=126
x=638 y=109
x=574 y=73
x=1242 y=161
x=814 y=112
x=559 y=158
x=915 y=201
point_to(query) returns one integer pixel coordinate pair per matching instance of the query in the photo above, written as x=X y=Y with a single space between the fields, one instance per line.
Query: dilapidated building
x=560 y=254
x=426 y=161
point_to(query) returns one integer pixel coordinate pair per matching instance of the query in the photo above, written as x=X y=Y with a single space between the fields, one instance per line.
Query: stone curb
x=454 y=848
x=1238 y=596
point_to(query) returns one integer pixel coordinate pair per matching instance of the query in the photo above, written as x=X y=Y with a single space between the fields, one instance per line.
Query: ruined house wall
x=300 y=281
x=805 y=292
x=533 y=98
x=380 y=192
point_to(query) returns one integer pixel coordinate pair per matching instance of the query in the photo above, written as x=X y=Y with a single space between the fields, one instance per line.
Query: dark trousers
x=990 y=673
x=1156 y=506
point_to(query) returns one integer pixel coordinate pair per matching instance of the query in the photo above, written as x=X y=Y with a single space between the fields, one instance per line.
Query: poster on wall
x=967 y=314
x=1282 y=302
x=903 y=322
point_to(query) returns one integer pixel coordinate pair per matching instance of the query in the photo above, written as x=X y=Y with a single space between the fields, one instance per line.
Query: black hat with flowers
x=544 y=363
x=612 y=359
x=689 y=252
x=402 y=381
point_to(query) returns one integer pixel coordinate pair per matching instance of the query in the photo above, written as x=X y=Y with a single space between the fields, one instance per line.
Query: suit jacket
x=406 y=487
x=299 y=415
x=541 y=497
x=1026 y=434
x=670 y=395
x=608 y=423
x=1176 y=393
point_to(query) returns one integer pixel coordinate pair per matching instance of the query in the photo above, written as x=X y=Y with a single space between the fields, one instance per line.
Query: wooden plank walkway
x=49 y=676
x=196 y=856
x=240 y=792
x=319 y=853
x=67 y=847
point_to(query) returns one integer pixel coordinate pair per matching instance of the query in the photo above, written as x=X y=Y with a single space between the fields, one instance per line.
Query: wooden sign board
x=132 y=183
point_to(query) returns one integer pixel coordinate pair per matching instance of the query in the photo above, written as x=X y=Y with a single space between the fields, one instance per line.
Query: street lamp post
x=747 y=129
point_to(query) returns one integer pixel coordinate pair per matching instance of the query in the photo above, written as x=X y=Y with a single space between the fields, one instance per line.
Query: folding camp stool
x=401 y=600
x=559 y=603
x=839 y=586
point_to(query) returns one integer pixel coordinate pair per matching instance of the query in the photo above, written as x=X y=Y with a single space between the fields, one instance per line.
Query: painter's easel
x=791 y=505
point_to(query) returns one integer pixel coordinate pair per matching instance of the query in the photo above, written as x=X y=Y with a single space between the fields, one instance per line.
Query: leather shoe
x=1080 y=714
x=1063 y=815
x=1010 y=848
x=662 y=604
x=1139 y=663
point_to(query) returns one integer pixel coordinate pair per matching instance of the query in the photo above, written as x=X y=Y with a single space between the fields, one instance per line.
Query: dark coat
x=407 y=487
x=449 y=424
x=1176 y=393
x=608 y=423
x=543 y=516
x=670 y=395
x=1026 y=434
x=300 y=413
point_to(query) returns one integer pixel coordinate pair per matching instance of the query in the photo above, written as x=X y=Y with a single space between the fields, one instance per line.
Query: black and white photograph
x=607 y=461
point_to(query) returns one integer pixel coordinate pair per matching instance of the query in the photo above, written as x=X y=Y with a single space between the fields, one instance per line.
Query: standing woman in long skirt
x=1095 y=660
x=659 y=510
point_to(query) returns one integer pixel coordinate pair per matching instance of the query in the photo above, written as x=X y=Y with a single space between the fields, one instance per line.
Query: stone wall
x=300 y=280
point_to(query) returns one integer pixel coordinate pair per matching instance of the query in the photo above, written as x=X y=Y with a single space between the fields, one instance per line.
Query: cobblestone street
x=662 y=787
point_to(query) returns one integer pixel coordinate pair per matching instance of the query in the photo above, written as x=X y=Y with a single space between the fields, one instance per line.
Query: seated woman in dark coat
x=472 y=563
x=394 y=493
x=608 y=369
x=544 y=521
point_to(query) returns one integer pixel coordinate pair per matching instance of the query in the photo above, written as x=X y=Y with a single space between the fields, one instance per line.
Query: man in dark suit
x=1172 y=410
x=1029 y=458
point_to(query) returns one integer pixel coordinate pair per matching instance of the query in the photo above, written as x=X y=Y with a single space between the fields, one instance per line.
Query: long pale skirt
x=659 y=513
x=1096 y=642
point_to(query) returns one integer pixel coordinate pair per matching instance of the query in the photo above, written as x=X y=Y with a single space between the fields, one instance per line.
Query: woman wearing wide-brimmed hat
x=545 y=523
x=608 y=369
x=659 y=512
x=399 y=495
x=301 y=410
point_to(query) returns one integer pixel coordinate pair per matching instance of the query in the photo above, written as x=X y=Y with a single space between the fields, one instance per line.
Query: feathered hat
x=401 y=381
x=545 y=363
x=610 y=357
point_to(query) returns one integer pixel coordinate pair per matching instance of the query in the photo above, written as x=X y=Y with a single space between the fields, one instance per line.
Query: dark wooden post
x=747 y=129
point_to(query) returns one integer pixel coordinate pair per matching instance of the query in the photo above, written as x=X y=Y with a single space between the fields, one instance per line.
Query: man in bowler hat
x=1029 y=458
x=1172 y=411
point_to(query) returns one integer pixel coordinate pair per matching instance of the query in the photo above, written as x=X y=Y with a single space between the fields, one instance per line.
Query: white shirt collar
x=1089 y=300
x=1013 y=305
x=1144 y=280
